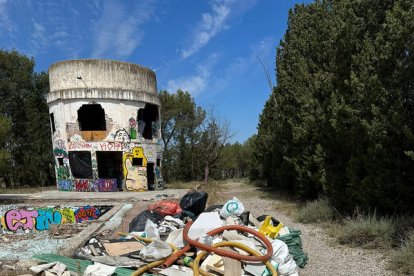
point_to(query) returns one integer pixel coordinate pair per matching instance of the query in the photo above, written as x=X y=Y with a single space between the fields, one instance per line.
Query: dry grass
x=26 y=190
x=316 y=211
x=403 y=260
x=367 y=232
x=214 y=189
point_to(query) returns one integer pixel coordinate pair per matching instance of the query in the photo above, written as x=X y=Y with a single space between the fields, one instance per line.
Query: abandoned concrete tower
x=105 y=121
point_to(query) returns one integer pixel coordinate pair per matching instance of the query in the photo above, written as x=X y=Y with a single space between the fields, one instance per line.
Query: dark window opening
x=158 y=162
x=60 y=161
x=148 y=121
x=81 y=164
x=91 y=117
x=150 y=175
x=52 y=122
x=137 y=161
x=110 y=165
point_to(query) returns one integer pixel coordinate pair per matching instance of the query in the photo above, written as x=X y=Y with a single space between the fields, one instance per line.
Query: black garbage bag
x=138 y=223
x=194 y=202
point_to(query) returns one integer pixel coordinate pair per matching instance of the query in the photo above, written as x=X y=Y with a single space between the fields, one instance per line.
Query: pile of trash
x=185 y=238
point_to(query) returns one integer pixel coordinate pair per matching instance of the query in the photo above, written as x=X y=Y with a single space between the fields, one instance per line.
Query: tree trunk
x=206 y=173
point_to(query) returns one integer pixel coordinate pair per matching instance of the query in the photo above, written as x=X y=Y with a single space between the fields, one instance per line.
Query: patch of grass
x=213 y=188
x=26 y=190
x=316 y=211
x=367 y=232
x=403 y=260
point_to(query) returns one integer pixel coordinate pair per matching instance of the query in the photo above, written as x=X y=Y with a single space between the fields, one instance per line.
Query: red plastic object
x=166 y=208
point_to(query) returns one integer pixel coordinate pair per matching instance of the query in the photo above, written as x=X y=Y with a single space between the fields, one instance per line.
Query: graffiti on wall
x=106 y=185
x=104 y=146
x=121 y=135
x=40 y=219
x=135 y=173
x=88 y=185
x=133 y=127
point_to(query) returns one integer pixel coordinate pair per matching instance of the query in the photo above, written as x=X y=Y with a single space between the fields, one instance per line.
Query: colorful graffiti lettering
x=65 y=185
x=41 y=219
x=68 y=215
x=46 y=217
x=87 y=213
x=106 y=185
x=82 y=185
x=16 y=219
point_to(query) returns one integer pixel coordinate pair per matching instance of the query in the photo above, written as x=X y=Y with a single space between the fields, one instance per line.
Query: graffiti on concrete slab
x=87 y=213
x=29 y=219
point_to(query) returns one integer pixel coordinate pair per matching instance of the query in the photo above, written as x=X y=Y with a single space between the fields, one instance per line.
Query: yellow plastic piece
x=268 y=229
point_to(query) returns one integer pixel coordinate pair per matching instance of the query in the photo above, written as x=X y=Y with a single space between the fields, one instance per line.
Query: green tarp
x=77 y=265
x=294 y=243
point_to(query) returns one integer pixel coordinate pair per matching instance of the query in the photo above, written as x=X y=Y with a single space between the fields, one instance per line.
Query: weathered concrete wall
x=98 y=73
x=121 y=89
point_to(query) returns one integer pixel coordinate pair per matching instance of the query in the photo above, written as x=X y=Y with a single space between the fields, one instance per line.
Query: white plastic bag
x=287 y=266
x=155 y=251
x=232 y=207
x=151 y=230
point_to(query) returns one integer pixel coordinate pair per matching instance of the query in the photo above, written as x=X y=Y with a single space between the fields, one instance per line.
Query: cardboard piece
x=205 y=222
x=122 y=248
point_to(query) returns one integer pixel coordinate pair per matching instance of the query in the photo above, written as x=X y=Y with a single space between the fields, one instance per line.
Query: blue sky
x=209 y=48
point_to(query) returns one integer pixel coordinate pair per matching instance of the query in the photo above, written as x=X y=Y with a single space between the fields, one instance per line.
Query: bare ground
x=325 y=256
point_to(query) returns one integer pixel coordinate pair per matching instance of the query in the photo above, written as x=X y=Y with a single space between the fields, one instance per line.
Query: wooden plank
x=232 y=267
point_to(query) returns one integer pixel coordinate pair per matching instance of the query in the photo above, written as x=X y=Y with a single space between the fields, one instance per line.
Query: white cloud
x=6 y=24
x=38 y=37
x=213 y=22
x=241 y=68
x=194 y=84
x=118 y=33
x=197 y=83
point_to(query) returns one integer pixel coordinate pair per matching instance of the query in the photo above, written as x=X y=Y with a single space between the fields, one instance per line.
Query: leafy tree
x=339 y=122
x=22 y=102
x=214 y=136
x=180 y=132
x=4 y=132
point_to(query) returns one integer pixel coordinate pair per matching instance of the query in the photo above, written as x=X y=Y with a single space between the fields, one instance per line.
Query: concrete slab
x=93 y=197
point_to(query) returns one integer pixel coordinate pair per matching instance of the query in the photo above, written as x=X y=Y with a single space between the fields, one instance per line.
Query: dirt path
x=324 y=258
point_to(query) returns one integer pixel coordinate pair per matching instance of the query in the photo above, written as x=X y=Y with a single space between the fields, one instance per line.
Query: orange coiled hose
x=221 y=252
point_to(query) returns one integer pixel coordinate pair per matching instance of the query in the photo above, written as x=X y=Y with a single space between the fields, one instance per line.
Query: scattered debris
x=185 y=239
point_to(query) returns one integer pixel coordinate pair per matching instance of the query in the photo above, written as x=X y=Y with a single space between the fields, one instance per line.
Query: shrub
x=316 y=211
x=402 y=261
x=367 y=232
